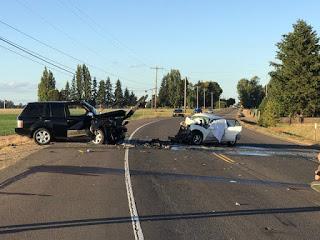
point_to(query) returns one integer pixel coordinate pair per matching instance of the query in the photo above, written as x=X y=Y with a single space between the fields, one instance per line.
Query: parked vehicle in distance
x=197 y=110
x=178 y=112
x=208 y=128
x=210 y=110
x=45 y=121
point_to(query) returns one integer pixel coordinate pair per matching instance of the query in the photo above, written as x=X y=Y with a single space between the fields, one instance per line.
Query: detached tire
x=42 y=136
x=196 y=138
x=99 y=137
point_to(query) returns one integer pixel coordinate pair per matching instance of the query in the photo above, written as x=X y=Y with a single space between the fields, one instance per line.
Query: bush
x=269 y=113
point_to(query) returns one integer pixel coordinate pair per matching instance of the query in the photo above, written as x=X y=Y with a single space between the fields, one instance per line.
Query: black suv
x=45 y=121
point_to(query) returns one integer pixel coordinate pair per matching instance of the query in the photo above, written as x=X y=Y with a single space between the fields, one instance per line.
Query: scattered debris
x=203 y=164
x=237 y=204
x=233 y=181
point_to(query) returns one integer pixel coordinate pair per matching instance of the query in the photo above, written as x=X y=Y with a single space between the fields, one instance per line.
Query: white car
x=204 y=128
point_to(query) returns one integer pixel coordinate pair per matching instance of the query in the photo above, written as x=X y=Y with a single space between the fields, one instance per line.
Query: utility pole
x=219 y=102
x=4 y=104
x=204 y=98
x=197 y=96
x=185 y=94
x=212 y=100
x=156 y=87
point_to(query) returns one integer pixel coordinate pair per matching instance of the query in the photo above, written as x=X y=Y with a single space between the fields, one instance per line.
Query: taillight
x=19 y=124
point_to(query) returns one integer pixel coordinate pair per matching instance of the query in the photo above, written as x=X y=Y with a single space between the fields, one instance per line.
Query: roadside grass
x=305 y=130
x=302 y=133
x=8 y=121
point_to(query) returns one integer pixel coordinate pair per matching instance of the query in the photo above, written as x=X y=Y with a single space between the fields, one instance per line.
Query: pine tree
x=73 y=90
x=109 y=94
x=101 y=94
x=79 y=83
x=126 y=97
x=87 y=83
x=94 y=89
x=46 y=84
x=67 y=91
x=132 y=99
x=295 y=81
x=118 y=94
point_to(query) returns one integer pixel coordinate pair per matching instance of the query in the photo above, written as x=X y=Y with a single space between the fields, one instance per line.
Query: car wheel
x=232 y=143
x=99 y=137
x=197 y=138
x=42 y=136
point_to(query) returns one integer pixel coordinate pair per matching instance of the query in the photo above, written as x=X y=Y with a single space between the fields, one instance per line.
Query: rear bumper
x=22 y=131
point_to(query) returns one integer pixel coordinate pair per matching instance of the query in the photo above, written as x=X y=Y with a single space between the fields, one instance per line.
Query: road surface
x=258 y=189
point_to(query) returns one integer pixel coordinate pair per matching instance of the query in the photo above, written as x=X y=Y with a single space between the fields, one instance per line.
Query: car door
x=218 y=129
x=77 y=117
x=58 y=121
x=234 y=128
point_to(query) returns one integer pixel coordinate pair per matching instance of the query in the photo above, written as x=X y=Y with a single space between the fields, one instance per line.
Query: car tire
x=196 y=138
x=232 y=143
x=99 y=137
x=42 y=136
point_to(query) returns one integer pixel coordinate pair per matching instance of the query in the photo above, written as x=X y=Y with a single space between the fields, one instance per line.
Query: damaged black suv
x=45 y=121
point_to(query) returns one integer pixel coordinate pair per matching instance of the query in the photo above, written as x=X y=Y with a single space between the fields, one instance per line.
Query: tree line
x=171 y=92
x=294 y=86
x=84 y=87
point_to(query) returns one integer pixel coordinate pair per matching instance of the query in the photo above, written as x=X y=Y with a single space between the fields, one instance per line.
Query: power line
x=63 y=53
x=36 y=55
x=26 y=57
x=103 y=31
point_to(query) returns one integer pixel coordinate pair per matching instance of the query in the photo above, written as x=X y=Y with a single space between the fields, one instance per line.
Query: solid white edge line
x=137 y=230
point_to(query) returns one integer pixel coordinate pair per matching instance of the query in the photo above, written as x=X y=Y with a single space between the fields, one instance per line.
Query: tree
x=206 y=88
x=126 y=97
x=295 y=80
x=46 y=84
x=53 y=95
x=87 y=82
x=118 y=94
x=132 y=99
x=79 y=83
x=163 y=93
x=109 y=94
x=250 y=92
x=94 y=89
x=101 y=94
x=73 y=89
x=230 y=102
x=65 y=93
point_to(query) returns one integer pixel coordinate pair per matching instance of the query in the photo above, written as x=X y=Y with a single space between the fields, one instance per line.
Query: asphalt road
x=258 y=189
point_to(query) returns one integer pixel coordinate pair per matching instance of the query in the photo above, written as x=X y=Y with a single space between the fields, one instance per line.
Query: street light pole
x=204 y=98
x=4 y=104
x=185 y=95
x=197 y=96
x=211 y=100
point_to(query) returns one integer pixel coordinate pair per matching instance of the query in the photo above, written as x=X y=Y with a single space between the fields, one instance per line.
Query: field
x=8 y=121
x=8 y=117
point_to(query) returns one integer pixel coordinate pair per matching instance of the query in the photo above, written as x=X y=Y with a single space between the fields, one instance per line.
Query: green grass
x=8 y=122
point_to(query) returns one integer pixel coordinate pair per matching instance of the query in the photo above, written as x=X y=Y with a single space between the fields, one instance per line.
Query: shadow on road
x=167 y=217
x=96 y=171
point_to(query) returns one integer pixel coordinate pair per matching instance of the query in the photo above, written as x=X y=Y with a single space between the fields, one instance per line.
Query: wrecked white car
x=208 y=128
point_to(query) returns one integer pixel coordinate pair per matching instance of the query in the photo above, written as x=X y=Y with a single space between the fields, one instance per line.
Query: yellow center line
x=222 y=158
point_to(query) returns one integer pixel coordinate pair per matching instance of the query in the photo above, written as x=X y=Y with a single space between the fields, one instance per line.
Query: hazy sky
x=206 y=40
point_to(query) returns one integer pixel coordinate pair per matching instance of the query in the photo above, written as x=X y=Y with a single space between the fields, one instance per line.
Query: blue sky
x=206 y=40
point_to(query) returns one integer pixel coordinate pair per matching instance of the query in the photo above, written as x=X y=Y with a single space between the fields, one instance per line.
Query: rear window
x=57 y=110
x=178 y=110
x=34 y=110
